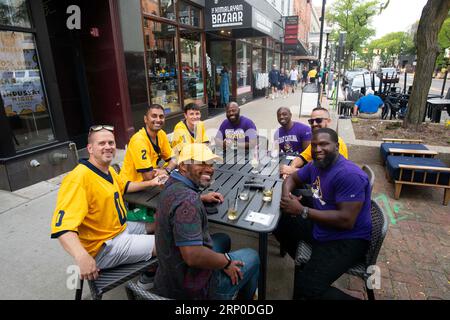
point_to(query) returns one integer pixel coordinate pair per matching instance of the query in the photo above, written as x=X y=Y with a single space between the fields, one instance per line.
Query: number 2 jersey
x=143 y=156
x=90 y=203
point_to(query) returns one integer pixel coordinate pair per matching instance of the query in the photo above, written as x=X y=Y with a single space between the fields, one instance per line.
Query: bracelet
x=229 y=260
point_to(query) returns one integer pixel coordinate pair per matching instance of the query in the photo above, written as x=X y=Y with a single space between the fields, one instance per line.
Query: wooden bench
x=394 y=140
x=425 y=172
x=412 y=152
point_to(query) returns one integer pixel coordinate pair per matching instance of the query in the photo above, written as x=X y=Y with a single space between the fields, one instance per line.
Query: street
x=435 y=88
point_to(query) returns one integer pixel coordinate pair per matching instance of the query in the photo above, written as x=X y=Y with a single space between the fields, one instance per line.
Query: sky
x=398 y=16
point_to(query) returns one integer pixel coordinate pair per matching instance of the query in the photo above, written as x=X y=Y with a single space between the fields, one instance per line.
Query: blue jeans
x=247 y=286
x=221 y=242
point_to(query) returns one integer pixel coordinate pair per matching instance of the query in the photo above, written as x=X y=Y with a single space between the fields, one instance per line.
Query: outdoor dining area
x=251 y=186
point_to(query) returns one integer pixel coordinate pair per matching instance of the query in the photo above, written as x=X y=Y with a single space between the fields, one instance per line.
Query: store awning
x=310 y=58
x=295 y=49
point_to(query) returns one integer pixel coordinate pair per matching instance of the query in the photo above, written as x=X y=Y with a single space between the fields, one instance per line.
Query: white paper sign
x=261 y=218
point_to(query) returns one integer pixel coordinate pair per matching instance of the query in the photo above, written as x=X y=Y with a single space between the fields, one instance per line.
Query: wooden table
x=228 y=177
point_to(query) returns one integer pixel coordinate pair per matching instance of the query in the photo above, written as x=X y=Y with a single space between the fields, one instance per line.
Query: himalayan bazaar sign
x=227 y=13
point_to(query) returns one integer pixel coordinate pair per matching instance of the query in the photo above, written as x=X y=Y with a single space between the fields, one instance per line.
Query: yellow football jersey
x=143 y=156
x=342 y=150
x=182 y=135
x=90 y=203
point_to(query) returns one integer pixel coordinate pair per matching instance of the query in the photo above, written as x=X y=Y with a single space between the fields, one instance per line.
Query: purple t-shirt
x=344 y=181
x=245 y=129
x=291 y=141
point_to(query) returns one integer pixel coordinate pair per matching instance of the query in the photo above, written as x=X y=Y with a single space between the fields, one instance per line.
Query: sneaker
x=146 y=280
x=255 y=296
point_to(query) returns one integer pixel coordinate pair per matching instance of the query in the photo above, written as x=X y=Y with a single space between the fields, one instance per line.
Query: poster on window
x=11 y=51
x=22 y=98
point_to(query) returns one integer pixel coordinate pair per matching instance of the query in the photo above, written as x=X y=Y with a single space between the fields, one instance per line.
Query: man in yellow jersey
x=320 y=118
x=90 y=217
x=189 y=130
x=312 y=74
x=147 y=147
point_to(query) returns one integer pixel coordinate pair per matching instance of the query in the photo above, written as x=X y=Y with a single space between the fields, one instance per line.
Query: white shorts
x=130 y=246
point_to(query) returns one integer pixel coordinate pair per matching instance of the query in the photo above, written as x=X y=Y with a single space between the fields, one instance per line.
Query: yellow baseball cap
x=197 y=153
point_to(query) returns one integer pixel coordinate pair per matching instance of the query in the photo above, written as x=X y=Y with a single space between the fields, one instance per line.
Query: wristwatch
x=305 y=212
x=229 y=260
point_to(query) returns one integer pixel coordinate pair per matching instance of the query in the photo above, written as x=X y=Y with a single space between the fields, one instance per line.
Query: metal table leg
x=263 y=266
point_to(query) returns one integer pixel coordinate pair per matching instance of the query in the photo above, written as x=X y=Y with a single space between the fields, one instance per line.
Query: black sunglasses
x=317 y=120
x=100 y=127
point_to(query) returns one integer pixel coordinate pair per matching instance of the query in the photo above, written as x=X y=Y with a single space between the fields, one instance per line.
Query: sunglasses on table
x=317 y=120
x=101 y=127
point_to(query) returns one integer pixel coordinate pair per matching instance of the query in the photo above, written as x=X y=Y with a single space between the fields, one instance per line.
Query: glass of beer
x=267 y=195
x=232 y=213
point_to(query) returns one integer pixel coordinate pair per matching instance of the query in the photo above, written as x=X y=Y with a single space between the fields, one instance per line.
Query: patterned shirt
x=181 y=220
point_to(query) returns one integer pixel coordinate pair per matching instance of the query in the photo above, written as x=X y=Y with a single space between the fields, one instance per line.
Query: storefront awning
x=296 y=49
x=310 y=58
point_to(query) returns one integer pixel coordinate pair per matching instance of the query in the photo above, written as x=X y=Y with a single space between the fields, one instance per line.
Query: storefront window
x=269 y=60
x=257 y=60
x=192 y=68
x=257 y=41
x=14 y=13
x=221 y=56
x=189 y=15
x=243 y=55
x=277 y=60
x=162 y=65
x=21 y=89
x=159 y=8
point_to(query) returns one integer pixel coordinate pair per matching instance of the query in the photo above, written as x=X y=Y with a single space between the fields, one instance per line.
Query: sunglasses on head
x=317 y=120
x=100 y=127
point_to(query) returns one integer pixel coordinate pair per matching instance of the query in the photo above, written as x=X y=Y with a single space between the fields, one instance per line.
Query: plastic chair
x=134 y=292
x=111 y=278
x=380 y=224
x=370 y=174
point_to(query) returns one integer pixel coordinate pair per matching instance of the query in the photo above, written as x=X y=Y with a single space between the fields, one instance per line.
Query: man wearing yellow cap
x=189 y=265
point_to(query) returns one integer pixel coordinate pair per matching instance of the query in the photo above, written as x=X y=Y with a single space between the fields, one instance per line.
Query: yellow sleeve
x=307 y=154
x=121 y=181
x=177 y=138
x=343 y=148
x=140 y=154
x=71 y=208
x=166 y=150
x=203 y=133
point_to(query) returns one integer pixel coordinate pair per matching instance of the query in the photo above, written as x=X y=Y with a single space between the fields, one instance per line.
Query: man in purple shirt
x=236 y=130
x=338 y=226
x=292 y=137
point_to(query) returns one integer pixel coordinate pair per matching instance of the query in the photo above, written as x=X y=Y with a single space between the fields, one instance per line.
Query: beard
x=325 y=162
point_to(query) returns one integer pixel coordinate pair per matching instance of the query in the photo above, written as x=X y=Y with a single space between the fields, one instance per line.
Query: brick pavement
x=415 y=257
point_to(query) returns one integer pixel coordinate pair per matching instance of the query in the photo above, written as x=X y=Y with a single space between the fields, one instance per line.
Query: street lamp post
x=322 y=19
x=325 y=73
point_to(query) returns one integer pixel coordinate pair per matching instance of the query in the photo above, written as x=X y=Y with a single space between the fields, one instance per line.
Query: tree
x=430 y=23
x=392 y=45
x=353 y=16
x=444 y=43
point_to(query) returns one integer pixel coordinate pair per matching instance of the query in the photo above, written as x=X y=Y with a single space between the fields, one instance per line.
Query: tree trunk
x=433 y=16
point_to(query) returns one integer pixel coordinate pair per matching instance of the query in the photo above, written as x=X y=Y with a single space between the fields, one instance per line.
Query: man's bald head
x=232 y=112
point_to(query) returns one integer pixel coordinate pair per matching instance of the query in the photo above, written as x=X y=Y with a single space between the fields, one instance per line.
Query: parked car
x=350 y=74
x=389 y=72
x=359 y=85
